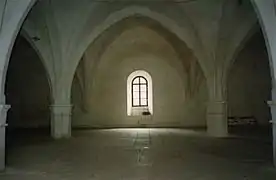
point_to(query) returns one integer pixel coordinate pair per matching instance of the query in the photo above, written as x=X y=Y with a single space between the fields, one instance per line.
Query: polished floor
x=139 y=154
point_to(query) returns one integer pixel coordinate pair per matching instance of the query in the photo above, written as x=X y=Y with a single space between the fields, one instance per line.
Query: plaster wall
x=249 y=85
x=138 y=48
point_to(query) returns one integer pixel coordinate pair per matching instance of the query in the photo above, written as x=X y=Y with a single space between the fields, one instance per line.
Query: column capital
x=3 y=114
x=272 y=105
x=5 y=107
x=216 y=107
x=217 y=102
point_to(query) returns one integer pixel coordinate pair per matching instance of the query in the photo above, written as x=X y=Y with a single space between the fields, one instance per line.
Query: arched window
x=139 y=94
x=140 y=97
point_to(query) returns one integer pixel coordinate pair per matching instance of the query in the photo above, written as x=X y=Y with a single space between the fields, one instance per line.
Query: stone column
x=3 y=117
x=272 y=105
x=61 y=121
x=217 y=124
x=274 y=141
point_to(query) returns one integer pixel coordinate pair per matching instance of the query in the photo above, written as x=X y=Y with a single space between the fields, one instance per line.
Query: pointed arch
x=241 y=46
x=266 y=13
x=27 y=87
x=133 y=11
x=8 y=34
x=29 y=39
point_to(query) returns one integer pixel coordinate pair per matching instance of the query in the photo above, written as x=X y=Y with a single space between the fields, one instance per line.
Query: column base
x=274 y=142
x=217 y=124
x=3 y=117
x=2 y=148
x=272 y=105
x=61 y=121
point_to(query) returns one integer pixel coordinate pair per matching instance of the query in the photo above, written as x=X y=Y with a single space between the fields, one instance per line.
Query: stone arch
x=131 y=11
x=266 y=14
x=27 y=69
x=36 y=49
x=249 y=82
x=9 y=33
x=265 y=11
x=240 y=47
x=187 y=69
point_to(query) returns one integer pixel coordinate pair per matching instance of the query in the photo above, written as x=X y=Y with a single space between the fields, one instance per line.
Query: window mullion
x=132 y=94
x=147 y=95
x=140 y=87
x=139 y=91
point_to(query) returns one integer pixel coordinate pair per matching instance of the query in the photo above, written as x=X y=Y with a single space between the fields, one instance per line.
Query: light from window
x=139 y=92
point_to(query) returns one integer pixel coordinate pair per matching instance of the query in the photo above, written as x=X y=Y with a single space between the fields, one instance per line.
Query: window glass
x=143 y=81
x=136 y=81
x=143 y=102
x=139 y=92
x=136 y=95
x=136 y=102
x=143 y=95
x=143 y=88
x=136 y=88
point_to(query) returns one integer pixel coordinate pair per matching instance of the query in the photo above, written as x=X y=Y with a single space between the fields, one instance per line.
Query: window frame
x=140 y=85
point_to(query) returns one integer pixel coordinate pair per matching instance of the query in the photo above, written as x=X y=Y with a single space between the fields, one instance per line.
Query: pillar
x=217 y=124
x=274 y=140
x=61 y=121
x=217 y=117
x=272 y=105
x=3 y=117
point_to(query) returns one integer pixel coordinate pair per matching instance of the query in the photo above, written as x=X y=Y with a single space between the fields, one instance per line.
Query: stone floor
x=139 y=154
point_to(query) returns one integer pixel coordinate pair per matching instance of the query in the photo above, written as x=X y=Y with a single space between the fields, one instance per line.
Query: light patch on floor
x=140 y=154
